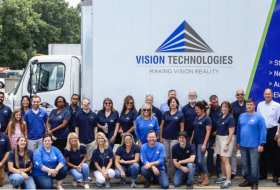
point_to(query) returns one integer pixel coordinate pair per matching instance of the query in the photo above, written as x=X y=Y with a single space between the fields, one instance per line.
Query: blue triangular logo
x=184 y=39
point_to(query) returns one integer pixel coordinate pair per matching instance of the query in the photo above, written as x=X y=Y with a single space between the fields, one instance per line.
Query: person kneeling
x=127 y=158
x=153 y=157
x=183 y=155
x=49 y=164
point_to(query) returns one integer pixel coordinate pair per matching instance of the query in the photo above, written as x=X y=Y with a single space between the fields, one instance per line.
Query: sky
x=73 y=3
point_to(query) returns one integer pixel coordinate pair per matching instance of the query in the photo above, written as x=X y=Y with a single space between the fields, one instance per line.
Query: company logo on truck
x=184 y=39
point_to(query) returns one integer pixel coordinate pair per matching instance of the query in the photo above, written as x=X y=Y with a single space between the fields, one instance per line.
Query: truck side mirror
x=2 y=85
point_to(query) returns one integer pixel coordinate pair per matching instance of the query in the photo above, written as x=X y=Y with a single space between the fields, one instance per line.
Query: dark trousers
x=211 y=165
x=268 y=158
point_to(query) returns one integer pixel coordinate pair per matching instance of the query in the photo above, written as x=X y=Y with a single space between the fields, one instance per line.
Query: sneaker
x=86 y=186
x=89 y=179
x=189 y=186
x=225 y=185
x=99 y=185
x=59 y=187
x=123 y=181
x=107 y=185
x=74 y=183
x=133 y=185
x=147 y=184
x=245 y=184
x=220 y=180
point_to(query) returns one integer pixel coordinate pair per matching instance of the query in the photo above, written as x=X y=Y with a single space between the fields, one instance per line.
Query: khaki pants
x=168 y=144
x=90 y=147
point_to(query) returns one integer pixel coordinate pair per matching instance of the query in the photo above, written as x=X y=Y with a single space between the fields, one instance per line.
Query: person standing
x=74 y=109
x=5 y=113
x=277 y=153
x=251 y=138
x=269 y=110
x=238 y=107
x=149 y=99
x=36 y=119
x=4 y=154
x=164 y=106
x=25 y=104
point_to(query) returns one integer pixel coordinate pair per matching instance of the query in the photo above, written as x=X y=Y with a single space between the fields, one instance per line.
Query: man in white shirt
x=270 y=111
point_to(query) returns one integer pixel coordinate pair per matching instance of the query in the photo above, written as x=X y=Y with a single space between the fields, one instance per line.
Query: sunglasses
x=146 y=110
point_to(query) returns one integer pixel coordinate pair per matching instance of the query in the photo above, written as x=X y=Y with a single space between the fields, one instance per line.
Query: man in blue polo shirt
x=36 y=120
x=86 y=126
x=153 y=157
x=5 y=113
x=251 y=136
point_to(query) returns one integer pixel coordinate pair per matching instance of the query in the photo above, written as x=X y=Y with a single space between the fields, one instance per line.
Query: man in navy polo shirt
x=74 y=110
x=5 y=113
x=189 y=112
x=36 y=121
x=183 y=155
x=86 y=126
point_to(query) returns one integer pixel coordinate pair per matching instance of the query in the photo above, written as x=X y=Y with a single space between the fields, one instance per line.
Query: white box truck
x=150 y=46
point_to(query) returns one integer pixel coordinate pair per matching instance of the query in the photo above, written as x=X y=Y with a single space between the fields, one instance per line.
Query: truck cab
x=50 y=78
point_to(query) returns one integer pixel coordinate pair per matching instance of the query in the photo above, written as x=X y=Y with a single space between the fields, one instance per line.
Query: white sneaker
x=86 y=186
x=59 y=187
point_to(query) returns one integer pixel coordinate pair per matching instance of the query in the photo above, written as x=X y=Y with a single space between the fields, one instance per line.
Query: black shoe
x=254 y=186
x=245 y=184
x=147 y=184
x=278 y=183
x=263 y=177
x=275 y=179
x=189 y=186
x=233 y=176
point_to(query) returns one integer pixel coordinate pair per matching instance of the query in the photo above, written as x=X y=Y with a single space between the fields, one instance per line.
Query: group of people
x=170 y=143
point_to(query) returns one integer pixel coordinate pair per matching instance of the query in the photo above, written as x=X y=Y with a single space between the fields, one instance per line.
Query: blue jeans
x=130 y=170
x=80 y=176
x=200 y=160
x=18 y=180
x=46 y=182
x=162 y=178
x=250 y=164
x=180 y=176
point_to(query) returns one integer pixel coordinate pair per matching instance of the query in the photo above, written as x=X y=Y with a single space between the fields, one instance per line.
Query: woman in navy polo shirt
x=102 y=157
x=146 y=122
x=20 y=165
x=48 y=164
x=127 y=159
x=58 y=123
x=225 y=142
x=127 y=118
x=108 y=120
x=172 y=123
x=76 y=155
x=202 y=129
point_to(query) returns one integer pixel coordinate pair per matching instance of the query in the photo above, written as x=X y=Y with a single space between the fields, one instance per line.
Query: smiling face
x=173 y=104
x=36 y=103
x=22 y=143
x=152 y=138
x=268 y=95
x=128 y=140
x=250 y=106
x=25 y=102
x=47 y=142
x=146 y=110
x=225 y=109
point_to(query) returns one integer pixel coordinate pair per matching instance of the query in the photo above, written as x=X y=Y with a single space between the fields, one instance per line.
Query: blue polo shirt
x=36 y=123
x=102 y=158
x=127 y=120
x=72 y=121
x=124 y=155
x=251 y=130
x=5 y=116
x=224 y=124
x=180 y=153
x=171 y=127
x=86 y=122
x=56 y=118
x=111 y=121
x=189 y=116
x=49 y=159
x=237 y=110
x=153 y=154
x=156 y=112
x=200 y=128
x=143 y=126
x=4 y=145
x=75 y=157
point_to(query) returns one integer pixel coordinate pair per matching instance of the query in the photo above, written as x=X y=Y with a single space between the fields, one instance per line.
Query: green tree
x=28 y=26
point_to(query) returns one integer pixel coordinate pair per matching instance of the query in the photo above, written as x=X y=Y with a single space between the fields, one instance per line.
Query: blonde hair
x=127 y=135
x=106 y=144
x=145 y=107
x=68 y=145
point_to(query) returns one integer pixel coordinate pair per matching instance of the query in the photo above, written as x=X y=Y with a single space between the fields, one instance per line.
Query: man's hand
x=260 y=149
x=184 y=169
x=148 y=165
x=122 y=174
x=155 y=171
x=203 y=148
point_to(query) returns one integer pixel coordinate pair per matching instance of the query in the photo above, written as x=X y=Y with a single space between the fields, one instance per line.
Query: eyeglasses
x=146 y=110
x=240 y=94
x=107 y=103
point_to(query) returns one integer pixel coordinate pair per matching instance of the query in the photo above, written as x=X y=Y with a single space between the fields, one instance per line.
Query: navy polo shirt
x=21 y=160
x=189 y=116
x=121 y=152
x=102 y=158
x=215 y=114
x=127 y=120
x=171 y=127
x=75 y=157
x=56 y=118
x=224 y=124
x=237 y=110
x=156 y=112
x=200 y=128
x=5 y=116
x=86 y=122
x=36 y=123
x=111 y=121
x=72 y=121
x=180 y=153
x=4 y=145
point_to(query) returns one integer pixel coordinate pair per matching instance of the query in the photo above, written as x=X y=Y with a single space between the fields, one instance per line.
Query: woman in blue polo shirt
x=127 y=118
x=200 y=137
x=225 y=142
x=108 y=120
x=76 y=155
x=172 y=123
x=49 y=164
x=20 y=165
x=58 y=123
x=127 y=159
x=146 y=122
x=102 y=157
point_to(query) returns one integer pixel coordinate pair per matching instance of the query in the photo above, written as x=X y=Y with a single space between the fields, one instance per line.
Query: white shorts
x=221 y=142
x=100 y=179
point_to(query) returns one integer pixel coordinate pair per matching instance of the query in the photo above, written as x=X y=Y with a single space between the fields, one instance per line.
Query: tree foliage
x=28 y=26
